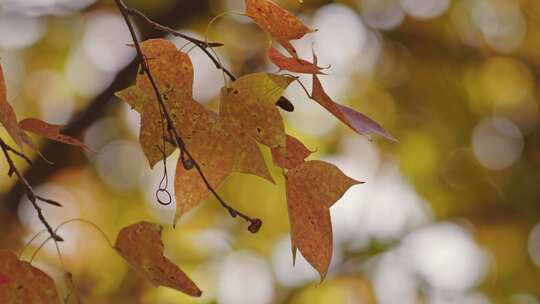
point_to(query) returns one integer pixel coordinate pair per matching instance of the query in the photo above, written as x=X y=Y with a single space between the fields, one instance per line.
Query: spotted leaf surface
x=173 y=72
x=141 y=246
x=215 y=152
x=279 y=23
x=249 y=158
x=248 y=106
x=24 y=283
x=312 y=188
x=294 y=156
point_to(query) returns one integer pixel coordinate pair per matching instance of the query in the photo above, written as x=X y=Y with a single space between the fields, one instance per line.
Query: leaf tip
x=355 y=182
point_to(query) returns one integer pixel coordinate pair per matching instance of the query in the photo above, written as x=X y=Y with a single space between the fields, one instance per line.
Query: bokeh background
x=450 y=214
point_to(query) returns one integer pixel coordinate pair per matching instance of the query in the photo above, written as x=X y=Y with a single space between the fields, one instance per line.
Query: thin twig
x=30 y=242
x=19 y=154
x=157 y=26
x=255 y=223
x=203 y=45
x=282 y=102
x=32 y=196
x=81 y=220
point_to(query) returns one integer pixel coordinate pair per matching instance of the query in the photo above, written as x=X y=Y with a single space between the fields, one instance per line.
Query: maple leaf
x=249 y=159
x=279 y=23
x=26 y=284
x=355 y=120
x=7 y=116
x=295 y=65
x=247 y=115
x=141 y=245
x=312 y=188
x=247 y=107
x=248 y=156
x=215 y=152
x=295 y=155
x=50 y=131
x=173 y=73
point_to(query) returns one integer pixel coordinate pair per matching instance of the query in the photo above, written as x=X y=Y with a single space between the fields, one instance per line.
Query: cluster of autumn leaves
x=221 y=143
x=139 y=244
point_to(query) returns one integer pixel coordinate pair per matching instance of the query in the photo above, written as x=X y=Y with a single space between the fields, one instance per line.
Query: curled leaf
x=141 y=246
x=295 y=155
x=312 y=188
x=8 y=119
x=295 y=65
x=355 y=120
x=173 y=71
x=25 y=283
x=279 y=23
x=50 y=131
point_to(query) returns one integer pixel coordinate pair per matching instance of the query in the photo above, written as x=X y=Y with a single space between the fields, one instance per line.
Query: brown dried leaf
x=8 y=119
x=355 y=120
x=50 y=131
x=141 y=245
x=295 y=65
x=279 y=23
x=248 y=106
x=214 y=151
x=312 y=188
x=173 y=72
x=295 y=155
x=25 y=283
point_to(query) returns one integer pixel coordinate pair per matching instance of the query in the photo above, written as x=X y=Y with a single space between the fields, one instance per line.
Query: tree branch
x=32 y=196
x=282 y=102
x=64 y=156
x=255 y=224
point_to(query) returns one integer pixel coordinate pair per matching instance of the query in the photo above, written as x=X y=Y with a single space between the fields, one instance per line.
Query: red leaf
x=3 y=279
x=279 y=23
x=50 y=131
x=355 y=120
x=295 y=65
